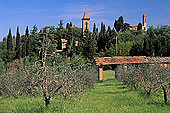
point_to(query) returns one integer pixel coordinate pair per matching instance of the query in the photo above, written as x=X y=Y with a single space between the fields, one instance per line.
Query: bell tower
x=144 y=22
x=85 y=22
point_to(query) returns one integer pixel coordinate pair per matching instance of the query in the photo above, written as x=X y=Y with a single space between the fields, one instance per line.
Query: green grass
x=108 y=96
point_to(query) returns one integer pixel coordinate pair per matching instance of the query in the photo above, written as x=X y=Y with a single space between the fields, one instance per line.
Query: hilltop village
x=86 y=27
x=86 y=21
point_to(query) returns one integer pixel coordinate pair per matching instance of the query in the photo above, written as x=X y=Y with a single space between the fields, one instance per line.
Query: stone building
x=144 y=26
x=85 y=22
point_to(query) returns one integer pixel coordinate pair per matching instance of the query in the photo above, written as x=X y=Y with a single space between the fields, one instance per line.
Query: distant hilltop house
x=144 y=27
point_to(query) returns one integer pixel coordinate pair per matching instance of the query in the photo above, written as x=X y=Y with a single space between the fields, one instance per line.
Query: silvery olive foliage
x=52 y=75
x=150 y=77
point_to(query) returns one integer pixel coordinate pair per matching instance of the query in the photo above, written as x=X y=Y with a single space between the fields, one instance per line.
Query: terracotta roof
x=133 y=26
x=85 y=15
x=130 y=60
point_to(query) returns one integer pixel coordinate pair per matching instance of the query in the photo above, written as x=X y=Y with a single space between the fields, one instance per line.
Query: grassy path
x=111 y=97
x=108 y=96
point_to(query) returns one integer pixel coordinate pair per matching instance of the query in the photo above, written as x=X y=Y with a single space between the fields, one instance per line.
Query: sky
x=43 y=13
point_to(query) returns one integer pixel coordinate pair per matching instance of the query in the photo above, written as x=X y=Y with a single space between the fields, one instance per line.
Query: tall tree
x=71 y=24
x=18 y=44
x=28 y=41
x=71 y=42
x=34 y=40
x=34 y=31
x=119 y=24
x=102 y=38
x=9 y=41
x=23 y=40
x=67 y=25
x=60 y=25
x=139 y=27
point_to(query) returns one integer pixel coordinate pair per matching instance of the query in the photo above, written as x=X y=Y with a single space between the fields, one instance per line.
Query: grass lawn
x=108 y=96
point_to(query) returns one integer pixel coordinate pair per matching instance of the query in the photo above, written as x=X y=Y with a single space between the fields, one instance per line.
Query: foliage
x=151 y=77
x=107 y=96
x=139 y=27
x=28 y=42
x=1 y=66
x=18 y=44
x=9 y=41
x=51 y=75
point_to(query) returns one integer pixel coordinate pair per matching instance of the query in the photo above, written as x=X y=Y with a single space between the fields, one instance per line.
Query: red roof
x=130 y=59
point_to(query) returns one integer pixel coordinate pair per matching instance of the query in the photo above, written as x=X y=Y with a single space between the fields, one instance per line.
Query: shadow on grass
x=41 y=109
x=37 y=109
x=162 y=104
x=109 y=79
x=117 y=92
x=111 y=84
x=143 y=94
x=123 y=87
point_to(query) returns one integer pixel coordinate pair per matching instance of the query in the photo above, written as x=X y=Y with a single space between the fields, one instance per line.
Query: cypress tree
x=67 y=25
x=18 y=44
x=9 y=41
x=28 y=42
x=23 y=46
x=102 y=40
x=70 y=24
x=94 y=28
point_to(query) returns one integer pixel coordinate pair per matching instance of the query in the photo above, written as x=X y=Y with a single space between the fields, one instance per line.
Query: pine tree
x=139 y=27
x=119 y=24
x=60 y=25
x=18 y=44
x=9 y=41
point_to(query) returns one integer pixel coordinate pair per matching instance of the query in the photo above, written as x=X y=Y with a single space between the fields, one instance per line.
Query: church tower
x=144 y=27
x=85 y=22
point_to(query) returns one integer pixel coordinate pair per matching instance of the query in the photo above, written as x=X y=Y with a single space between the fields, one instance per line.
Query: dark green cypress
x=23 y=46
x=9 y=41
x=94 y=28
x=28 y=42
x=18 y=44
x=102 y=40
x=67 y=25
x=70 y=24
